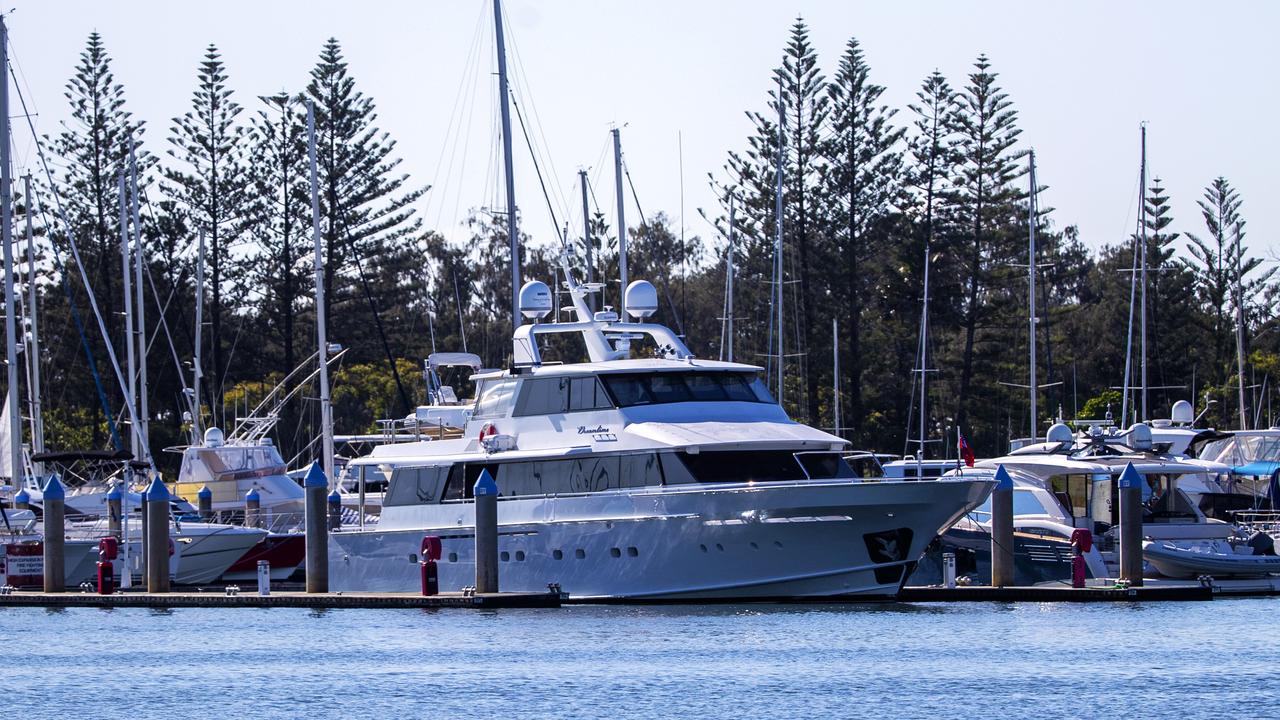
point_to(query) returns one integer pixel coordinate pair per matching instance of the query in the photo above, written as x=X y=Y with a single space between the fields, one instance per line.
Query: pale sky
x=1082 y=75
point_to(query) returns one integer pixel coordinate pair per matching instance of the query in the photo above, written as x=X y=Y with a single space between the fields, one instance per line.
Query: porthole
x=633 y=551
x=505 y=556
x=580 y=553
x=704 y=548
x=754 y=546
x=615 y=552
x=557 y=554
x=453 y=557
x=519 y=556
x=777 y=544
x=719 y=547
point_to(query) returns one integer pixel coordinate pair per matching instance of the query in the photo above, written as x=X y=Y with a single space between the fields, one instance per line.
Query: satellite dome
x=1059 y=433
x=535 y=299
x=641 y=299
x=1140 y=437
x=1183 y=413
x=213 y=437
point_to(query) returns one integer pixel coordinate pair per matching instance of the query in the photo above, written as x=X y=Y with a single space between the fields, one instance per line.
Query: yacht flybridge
x=663 y=477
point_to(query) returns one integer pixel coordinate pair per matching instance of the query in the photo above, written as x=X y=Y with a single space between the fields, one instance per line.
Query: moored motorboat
x=1219 y=560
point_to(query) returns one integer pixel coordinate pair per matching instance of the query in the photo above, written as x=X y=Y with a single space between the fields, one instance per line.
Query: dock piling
x=1131 y=526
x=204 y=501
x=113 y=511
x=252 y=508
x=486 y=497
x=1002 y=530
x=157 y=537
x=335 y=510
x=317 y=533
x=55 y=495
x=22 y=501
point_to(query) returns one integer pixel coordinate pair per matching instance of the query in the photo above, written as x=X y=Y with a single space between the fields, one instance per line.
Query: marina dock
x=286 y=599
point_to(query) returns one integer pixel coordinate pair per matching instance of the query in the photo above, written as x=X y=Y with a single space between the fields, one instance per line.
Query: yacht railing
x=1267 y=521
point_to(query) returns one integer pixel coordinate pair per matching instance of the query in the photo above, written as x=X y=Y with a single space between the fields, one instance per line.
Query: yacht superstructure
x=662 y=478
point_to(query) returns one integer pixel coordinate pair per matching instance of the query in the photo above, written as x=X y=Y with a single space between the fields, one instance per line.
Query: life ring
x=489 y=430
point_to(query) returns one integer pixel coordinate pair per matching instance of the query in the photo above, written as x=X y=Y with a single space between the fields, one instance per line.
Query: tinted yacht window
x=556 y=395
x=669 y=387
x=743 y=466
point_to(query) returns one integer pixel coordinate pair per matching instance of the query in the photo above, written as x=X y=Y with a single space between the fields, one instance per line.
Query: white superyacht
x=658 y=478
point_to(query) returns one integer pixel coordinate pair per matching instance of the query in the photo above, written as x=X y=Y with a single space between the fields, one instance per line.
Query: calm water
x=1213 y=660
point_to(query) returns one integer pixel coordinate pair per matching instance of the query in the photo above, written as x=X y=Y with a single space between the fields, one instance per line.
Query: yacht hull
x=810 y=539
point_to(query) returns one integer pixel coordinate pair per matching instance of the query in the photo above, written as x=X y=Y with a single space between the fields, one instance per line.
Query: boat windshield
x=1025 y=502
x=632 y=389
x=1243 y=449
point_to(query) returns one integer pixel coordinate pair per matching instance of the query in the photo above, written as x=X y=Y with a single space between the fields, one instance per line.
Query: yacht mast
x=777 y=250
x=322 y=342
x=33 y=340
x=504 y=92
x=1031 y=290
x=6 y=237
x=1142 y=238
x=586 y=238
x=622 y=223
x=835 y=376
x=197 y=374
x=1239 y=293
x=728 y=293
x=144 y=414
x=130 y=345
x=924 y=357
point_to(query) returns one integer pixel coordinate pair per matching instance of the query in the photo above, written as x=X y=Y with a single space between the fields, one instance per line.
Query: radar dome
x=535 y=299
x=213 y=437
x=1059 y=433
x=1183 y=413
x=641 y=299
x=1140 y=437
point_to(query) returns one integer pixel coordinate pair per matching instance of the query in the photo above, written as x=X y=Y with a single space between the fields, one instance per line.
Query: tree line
x=869 y=192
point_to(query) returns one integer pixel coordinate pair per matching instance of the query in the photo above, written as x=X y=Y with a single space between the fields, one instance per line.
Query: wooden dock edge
x=1038 y=593
x=282 y=599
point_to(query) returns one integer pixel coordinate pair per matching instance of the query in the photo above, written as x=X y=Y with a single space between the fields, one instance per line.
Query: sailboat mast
x=924 y=359
x=1031 y=291
x=6 y=237
x=729 y=269
x=835 y=377
x=1142 y=254
x=144 y=414
x=127 y=271
x=33 y=340
x=586 y=238
x=197 y=374
x=322 y=342
x=777 y=250
x=513 y=237
x=622 y=223
x=1239 y=293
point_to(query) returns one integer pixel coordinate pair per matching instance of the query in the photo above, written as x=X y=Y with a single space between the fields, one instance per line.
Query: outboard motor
x=1262 y=544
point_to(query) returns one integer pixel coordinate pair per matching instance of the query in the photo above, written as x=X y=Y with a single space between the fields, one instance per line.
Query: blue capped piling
x=335 y=510
x=1002 y=529
x=1131 y=525
x=204 y=502
x=315 y=486
x=252 y=508
x=157 y=537
x=486 y=503
x=115 y=499
x=54 y=536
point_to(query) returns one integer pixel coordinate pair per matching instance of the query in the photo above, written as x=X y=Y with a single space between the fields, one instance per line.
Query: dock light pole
x=316 y=486
x=55 y=580
x=486 y=496
x=1002 y=530
x=1131 y=525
